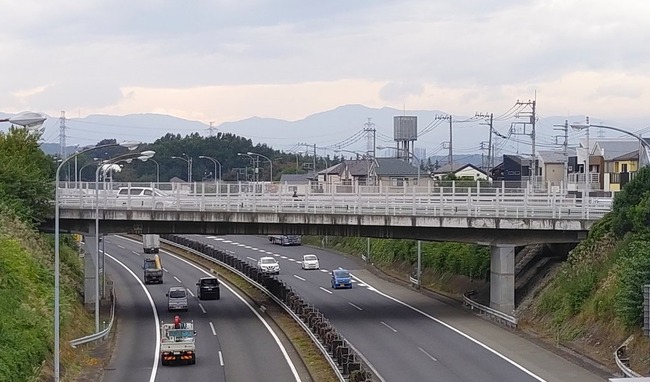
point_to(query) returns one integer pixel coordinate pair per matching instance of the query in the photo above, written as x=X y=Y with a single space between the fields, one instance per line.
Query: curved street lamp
x=187 y=159
x=257 y=174
x=27 y=119
x=131 y=145
x=145 y=158
x=215 y=165
x=267 y=158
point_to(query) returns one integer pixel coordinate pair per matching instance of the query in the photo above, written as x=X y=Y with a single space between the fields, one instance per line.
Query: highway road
x=233 y=342
x=405 y=335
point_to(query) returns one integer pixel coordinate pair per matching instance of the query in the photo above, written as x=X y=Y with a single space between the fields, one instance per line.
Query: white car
x=310 y=261
x=146 y=197
x=269 y=265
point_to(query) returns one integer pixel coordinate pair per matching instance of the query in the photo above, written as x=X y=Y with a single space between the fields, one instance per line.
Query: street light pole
x=57 y=240
x=189 y=166
x=215 y=165
x=267 y=158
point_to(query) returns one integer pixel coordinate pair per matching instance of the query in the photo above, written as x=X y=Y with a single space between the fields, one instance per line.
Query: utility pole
x=451 y=140
x=531 y=120
x=490 y=159
x=565 y=146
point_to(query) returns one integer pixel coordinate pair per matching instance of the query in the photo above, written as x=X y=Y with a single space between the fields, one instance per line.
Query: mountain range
x=337 y=129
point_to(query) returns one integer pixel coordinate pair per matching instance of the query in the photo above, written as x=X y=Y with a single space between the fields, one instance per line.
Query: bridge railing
x=490 y=202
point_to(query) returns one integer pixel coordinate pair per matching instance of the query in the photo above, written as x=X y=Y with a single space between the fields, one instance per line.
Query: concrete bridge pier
x=502 y=277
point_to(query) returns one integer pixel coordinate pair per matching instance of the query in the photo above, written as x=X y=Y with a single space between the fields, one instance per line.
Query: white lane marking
x=227 y=241
x=250 y=258
x=291 y=260
x=325 y=271
x=355 y=306
x=389 y=327
x=427 y=354
x=214 y=332
x=156 y=353
x=220 y=358
x=283 y=257
x=165 y=269
x=266 y=324
x=298 y=277
x=136 y=253
x=248 y=247
x=202 y=308
x=232 y=242
x=177 y=279
x=276 y=255
x=268 y=252
x=190 y=292
x=218 y=239
x=254 y=249
x=362 y=284
x=121 y=246
x=484 y=346
x=241 y=245
x=325 y=290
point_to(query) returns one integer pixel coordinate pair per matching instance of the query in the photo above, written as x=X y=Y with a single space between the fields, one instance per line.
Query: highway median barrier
x=347 y=363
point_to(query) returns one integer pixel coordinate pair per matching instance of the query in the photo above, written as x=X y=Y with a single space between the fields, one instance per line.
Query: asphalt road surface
x=404 y=335
x=233 y=342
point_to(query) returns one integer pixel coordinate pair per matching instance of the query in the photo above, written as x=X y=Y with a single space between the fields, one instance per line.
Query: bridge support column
x=502 y=278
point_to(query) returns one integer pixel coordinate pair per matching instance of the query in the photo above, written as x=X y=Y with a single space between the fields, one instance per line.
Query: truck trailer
x=151 y=243
x=285 y=239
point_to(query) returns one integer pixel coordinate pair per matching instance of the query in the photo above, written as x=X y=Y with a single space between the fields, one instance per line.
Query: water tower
x=405 y=134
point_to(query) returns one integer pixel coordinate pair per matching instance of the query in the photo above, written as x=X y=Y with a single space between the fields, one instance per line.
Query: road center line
x=389 y=327
x=250 y=258
x=136 y=253
x=214 y=332
x=177 y=279
x=220 y=358
x=355 y=306
x=190 y=292
x=298 y=277
x=427 y=354
x=325 y=290
x=202 y=309
x=121 y=246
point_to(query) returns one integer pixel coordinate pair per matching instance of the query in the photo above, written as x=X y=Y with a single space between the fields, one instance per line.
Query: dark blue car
x=341 y=279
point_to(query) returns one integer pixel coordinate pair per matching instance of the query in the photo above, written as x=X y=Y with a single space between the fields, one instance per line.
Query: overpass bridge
x=499 y=217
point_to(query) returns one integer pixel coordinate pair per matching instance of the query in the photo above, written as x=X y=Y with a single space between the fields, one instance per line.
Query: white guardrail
x=438 y=202
x=493 y=314
x=270 y=295
x=102 y=333
x=623 y=363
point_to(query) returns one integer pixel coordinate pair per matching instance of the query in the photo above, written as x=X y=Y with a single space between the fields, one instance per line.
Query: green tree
x=26 y=186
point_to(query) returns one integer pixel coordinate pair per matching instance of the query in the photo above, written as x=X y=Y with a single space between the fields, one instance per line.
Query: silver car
x=177 y=299
x=269 y=265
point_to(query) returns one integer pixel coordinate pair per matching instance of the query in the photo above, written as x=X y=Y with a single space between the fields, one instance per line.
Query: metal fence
x=439 y=202
x=349 y=362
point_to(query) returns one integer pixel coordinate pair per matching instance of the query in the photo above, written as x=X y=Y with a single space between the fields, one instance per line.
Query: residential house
x=607 y=160
x=461 y=171
x=349 y=174
x=514 y=171
x=298 y=183
x=554 y=168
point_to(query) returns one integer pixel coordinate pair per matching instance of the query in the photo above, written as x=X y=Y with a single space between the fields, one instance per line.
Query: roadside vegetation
x=591 y=303
x=26 y=266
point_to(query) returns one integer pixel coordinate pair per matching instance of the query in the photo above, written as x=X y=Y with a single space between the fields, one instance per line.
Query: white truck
x=177 y=342
x=151 y=243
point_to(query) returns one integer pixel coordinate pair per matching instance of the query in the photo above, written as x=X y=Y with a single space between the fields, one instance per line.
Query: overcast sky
x=225 y=60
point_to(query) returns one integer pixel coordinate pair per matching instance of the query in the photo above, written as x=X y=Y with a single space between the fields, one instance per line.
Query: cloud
x=400 y=91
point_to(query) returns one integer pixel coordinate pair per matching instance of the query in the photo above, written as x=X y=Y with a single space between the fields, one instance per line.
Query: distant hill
x=340 y=128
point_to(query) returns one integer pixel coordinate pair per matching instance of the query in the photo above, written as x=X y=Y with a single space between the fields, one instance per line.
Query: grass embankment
x=314 y=361
x=27 y=304
x=444 y=265
x=592 y=303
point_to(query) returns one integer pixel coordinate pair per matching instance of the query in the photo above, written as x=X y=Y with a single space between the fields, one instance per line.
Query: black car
x=208 y=288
